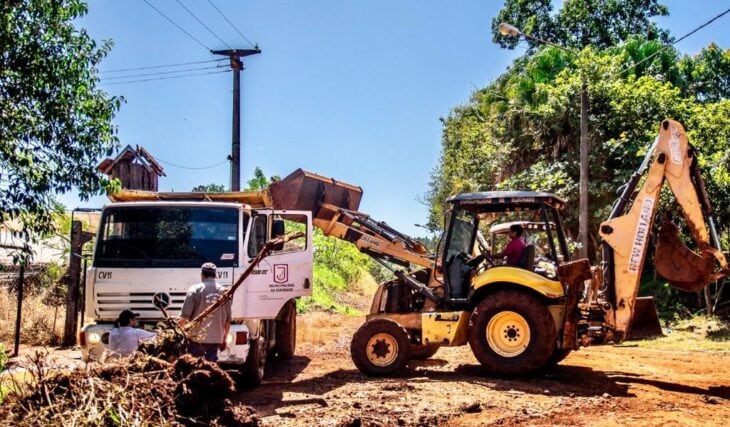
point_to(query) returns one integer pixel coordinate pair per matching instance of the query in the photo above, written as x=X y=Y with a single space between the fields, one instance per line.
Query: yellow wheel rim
x=382 y=349
x=508 y=334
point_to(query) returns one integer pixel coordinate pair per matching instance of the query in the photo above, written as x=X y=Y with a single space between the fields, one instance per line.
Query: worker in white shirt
x=126 y=338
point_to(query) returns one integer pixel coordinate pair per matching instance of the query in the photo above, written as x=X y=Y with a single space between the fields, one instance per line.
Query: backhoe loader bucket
x=679 y=265
x=302 y=190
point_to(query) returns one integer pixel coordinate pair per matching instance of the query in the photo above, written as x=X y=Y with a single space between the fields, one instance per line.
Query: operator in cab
x=515 y=249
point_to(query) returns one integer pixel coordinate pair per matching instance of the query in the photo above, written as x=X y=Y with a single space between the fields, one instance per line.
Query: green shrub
x=3 y=357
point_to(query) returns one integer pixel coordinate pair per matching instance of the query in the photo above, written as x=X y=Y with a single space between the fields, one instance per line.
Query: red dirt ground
x=599 y=386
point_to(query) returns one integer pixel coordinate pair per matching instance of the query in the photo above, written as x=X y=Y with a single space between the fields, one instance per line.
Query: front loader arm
x=627 y=233
x=376 y=239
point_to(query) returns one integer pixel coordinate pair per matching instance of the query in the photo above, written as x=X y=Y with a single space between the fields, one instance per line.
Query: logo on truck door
x=281 y=273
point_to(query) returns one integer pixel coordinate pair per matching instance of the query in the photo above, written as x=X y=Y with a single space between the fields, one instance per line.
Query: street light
x=509 y=30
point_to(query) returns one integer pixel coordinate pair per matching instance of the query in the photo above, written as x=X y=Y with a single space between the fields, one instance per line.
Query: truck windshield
x=165 y=236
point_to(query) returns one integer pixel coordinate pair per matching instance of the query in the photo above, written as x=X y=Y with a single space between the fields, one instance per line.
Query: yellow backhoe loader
x=516 y=319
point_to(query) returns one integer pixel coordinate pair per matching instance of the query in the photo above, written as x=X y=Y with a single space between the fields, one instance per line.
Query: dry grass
x=40 y=324
x=359 y=295
x=699 y=333
x=319 y=328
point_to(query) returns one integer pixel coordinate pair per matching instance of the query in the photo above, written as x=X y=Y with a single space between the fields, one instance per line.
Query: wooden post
x=72 y=297
x=21 y=283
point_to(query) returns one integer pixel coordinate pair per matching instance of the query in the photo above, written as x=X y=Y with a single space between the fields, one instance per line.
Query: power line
x=120 y=70
x=166 y=78
x=230 y=23
x=179 y=27
x=203 y=24
x=192 y=167
x=158 y=73
x=713 y=19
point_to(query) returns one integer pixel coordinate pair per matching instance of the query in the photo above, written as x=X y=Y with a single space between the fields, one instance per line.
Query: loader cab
x=465 y=251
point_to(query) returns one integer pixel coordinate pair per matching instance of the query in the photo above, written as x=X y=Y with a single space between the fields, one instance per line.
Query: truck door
x=283 y=275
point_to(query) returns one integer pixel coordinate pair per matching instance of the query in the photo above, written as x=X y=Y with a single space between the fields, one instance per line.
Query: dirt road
x=596 y=386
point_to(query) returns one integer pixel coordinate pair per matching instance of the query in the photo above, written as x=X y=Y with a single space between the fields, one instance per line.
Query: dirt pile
x=143 y=391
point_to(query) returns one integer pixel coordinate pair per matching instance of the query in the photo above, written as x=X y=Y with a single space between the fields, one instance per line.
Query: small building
x=135 y=168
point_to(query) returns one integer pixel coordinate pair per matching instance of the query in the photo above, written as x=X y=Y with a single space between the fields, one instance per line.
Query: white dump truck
x=150 y=247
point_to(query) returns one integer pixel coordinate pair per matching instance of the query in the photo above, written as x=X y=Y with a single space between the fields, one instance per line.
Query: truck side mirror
x=278 y=229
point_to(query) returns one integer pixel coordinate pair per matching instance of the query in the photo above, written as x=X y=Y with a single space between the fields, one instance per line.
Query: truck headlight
x=229 y=338
x=93 y=338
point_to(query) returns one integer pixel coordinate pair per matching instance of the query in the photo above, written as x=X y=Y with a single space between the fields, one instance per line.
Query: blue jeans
x=209 y=351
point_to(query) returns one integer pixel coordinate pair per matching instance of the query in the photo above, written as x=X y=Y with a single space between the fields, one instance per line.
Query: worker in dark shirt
x=515 y=248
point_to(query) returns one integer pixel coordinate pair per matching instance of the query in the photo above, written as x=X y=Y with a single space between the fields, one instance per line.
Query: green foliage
x=340 y=257
x=579 y=23
x=523 y=130
x=210 y=188
x=338 y=266
x=3 y=357
x=259 y=180
x=55 y=123
x=670 y=303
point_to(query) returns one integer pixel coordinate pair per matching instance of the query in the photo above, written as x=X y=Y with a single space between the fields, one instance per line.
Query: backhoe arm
x=627 y=233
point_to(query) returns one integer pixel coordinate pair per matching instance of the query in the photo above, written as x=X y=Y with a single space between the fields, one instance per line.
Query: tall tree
x=54 y=122
x=580 y=23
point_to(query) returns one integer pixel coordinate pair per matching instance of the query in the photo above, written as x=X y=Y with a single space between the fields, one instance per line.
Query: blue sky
x=351 y=90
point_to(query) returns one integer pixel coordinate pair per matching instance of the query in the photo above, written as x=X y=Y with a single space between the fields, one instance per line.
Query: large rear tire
x=380 y=347
x=512 y=333
x=254 y=368
x=286 y=333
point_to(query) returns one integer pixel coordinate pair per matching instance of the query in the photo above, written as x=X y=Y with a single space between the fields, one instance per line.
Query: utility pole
x=235 y=56
x=583 y=201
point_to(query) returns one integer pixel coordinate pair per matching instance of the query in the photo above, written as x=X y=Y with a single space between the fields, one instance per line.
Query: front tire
x=512 y=333
x=286 y=333
x=253 y=371
x=380 y=347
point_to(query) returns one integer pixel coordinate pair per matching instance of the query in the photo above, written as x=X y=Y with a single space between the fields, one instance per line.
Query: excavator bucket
x=679 y=265
x=302 y=190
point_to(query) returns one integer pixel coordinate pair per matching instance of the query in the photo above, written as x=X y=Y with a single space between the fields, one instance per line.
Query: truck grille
x=141 y=302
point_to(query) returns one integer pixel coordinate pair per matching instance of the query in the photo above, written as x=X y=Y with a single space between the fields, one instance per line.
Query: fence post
x=72 y=297
x=21 y=283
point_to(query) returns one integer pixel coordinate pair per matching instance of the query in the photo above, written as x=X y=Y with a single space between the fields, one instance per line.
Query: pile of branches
x=142 y=391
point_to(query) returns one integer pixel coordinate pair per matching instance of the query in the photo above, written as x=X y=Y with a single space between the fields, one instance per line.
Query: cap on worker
x=208 y=268
x=126 y=316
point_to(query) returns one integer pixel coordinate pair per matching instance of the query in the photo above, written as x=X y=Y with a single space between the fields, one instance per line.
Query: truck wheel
x=380 y=347
x=286 y=334
x=423 y=352
x=512 y=333
x=252 y=372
